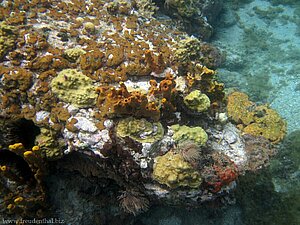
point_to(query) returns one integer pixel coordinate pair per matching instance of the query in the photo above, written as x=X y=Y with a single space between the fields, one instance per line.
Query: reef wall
x=116 y=98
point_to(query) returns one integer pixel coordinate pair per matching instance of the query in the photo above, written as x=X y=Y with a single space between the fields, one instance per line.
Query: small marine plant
x=133 y=202
x=189 y=151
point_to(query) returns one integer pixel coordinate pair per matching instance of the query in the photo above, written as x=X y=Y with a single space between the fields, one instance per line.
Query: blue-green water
x=261 y=41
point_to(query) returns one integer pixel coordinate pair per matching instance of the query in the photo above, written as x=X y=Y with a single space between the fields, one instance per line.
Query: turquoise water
x=261 y=41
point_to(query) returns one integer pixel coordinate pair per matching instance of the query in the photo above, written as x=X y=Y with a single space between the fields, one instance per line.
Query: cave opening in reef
x=19 y=130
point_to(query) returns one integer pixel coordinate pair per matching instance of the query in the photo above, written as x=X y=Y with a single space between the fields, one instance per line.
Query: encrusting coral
x=255 y=120
x=74 y=87
x=172 y=170
x=73 y=54
x=197 y=101
x=7 y=38
x=140 y=130
x=186 y=133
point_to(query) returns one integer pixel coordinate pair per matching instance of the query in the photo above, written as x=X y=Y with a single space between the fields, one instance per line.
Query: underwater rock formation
x=104 y=91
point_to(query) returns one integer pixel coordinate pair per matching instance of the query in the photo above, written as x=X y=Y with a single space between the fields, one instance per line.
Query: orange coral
x=121 y=102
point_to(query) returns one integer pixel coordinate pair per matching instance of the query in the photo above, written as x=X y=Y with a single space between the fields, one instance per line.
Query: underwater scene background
x=261 y=41
x=150 y=112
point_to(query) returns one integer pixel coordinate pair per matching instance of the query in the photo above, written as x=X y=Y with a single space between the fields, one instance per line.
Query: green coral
x=73 y=54
x=74 y=87
x=48 y=145
x=197 y=101
x=7 y=38
x=185 y=133
x=188 y=49
x=171 y=170
x=140 y=130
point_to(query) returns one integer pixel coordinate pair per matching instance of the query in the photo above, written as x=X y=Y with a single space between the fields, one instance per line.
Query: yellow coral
x=267 y=123
x=238 y=108
x=35 y=148
x=186 y=133
x=18 y=200
x=172 y=170
x=3 y=168
x=17 y=148
x=255 y=120
x=74 y=87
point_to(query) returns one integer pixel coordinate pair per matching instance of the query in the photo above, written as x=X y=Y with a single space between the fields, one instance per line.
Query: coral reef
x=140 y=130
x=22 y=190
x=121 y=108
x=196 y=15
x=172 y=170
x=197 y=101
x=8 y=37
x=73 y=87
x=255 y=120
x=185 y=133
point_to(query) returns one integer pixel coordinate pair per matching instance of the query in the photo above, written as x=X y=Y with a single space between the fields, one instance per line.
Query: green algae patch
x=185 y=133
x=7 y=38
x=197 y=101
x=74 y=87
x=140 y=130
x=172 y=170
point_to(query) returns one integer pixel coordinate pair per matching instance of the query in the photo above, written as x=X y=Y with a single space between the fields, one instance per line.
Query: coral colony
x=105 y=89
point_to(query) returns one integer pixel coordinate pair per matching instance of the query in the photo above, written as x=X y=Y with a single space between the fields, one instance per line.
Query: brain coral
x=74 y=87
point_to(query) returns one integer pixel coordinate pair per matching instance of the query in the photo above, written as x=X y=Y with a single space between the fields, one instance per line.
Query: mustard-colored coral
x=239 y=108
x=140 y=130
x=7 y=38
x=185 y=133
x=74 y=87
x=197 y=101
x=267 y=123
x=255 y=120
x=74 y=53
x=171 y=170
x=89 y=27
x=47 y=144
x=188 y=48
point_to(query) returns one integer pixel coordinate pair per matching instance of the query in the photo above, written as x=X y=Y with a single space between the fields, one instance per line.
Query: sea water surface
x=261 y=41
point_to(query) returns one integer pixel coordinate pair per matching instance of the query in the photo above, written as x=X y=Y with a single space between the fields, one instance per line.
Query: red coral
x=220 y=174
